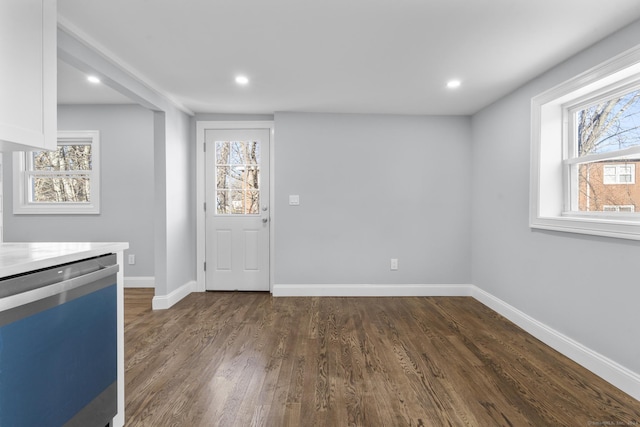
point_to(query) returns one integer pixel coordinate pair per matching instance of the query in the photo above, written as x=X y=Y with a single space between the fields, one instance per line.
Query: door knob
x=265 y=219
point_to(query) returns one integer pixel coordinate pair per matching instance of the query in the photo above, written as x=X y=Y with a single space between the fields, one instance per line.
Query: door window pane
x=222 y=153
x=238 y=177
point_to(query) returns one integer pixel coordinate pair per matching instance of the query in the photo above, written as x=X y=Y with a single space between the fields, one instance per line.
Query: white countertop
x=17 y=258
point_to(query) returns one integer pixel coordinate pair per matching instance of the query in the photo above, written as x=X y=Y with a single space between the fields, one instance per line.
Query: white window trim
x=21 y=204
x=548 y=129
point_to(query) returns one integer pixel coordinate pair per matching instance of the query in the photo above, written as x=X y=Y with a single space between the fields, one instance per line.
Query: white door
x=237 y=209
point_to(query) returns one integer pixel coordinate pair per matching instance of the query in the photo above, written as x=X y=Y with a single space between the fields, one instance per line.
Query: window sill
x=626 y=228
x=56 y=209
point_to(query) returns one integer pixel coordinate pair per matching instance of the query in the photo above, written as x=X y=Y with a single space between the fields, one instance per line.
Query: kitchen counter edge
x=18 y=258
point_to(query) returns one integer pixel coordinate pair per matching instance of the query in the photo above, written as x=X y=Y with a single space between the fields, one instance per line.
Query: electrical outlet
x=394 y=264
x=132 y=259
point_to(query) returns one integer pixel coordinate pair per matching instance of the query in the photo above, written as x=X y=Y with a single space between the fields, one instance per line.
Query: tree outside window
x=606 y=133
x=61 y=176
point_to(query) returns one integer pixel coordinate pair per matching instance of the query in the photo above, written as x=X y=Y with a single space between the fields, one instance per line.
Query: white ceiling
x=352 y=56
x=73 y=88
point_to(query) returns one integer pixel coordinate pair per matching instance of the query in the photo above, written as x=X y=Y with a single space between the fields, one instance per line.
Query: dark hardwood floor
x=247 y=359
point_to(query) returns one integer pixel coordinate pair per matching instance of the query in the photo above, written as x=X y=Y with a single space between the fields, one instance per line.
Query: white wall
x=178 y=255
x=126 y=148
x=372 y=188
x=584 y=287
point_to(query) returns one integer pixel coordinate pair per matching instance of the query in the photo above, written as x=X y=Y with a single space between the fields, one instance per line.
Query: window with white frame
x=619 y=174
x=585 y=147
x=64 y=181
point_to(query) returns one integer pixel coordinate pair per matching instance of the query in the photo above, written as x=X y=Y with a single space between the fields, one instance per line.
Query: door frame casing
x=201 y=128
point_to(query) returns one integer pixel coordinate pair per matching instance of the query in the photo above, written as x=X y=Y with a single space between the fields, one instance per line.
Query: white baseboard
x=612 y=372
x=163 y=302
x=140 y=282
x=362 y=290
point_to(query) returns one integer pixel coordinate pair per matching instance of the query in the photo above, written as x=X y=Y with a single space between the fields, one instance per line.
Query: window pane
x=238 y=177
x=65 y=158
x=222 y=177
x=252 y=178
x=237 y=202
x=603 y=187
x=238 y=152
x=59 y=189
x=230 y=202
x=609 y=125
x=222 y=152
x=609 y=174
x=253 y=152
x=222 y=202
x=626 y=178
x=228 y=177
x=252 y=202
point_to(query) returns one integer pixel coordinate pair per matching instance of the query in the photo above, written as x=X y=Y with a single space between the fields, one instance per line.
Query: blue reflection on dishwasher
x=55 y=362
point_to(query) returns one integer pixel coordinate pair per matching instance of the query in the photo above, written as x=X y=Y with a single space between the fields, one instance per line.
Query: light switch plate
x=294 y=200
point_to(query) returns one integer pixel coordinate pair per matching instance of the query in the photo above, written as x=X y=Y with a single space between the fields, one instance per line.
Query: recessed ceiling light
x=93 y=79
x=242 y=80
x=452 y=84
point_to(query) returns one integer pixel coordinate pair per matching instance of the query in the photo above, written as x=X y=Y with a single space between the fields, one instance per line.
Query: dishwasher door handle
x=60 y=288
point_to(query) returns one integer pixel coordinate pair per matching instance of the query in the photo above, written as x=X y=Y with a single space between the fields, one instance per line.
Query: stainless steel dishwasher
x=58 y=345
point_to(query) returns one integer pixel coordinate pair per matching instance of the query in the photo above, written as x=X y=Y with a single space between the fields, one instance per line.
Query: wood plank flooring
x=247 y=359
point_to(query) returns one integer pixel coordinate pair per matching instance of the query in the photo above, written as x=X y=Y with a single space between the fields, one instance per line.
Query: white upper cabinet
x=28 y=74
